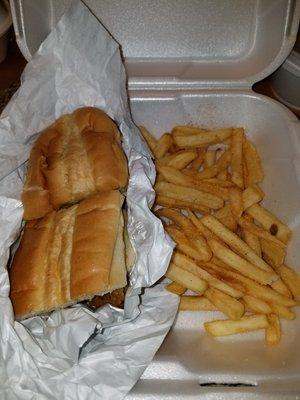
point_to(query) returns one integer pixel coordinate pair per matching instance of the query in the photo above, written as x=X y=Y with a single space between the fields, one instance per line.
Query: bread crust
x=77 y=156
x=68 y=256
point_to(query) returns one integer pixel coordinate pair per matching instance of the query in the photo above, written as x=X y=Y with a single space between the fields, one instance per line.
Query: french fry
x=249 y=286
x=184 y=245
x=224 y=215
x=273 y=330
x=176 y=288
x=166 y=201
x=215 y=181
x=231 y=307
x=291 y=279
x=240 y=264
x=185 y=136
x=196 y=303
x=259 y=232
x=163 y=145
x=189 y=194
x=234 y=242
x=177 y=160
x=173 y=149
x=252 y=241
x=212 y=171
x=190 y=231
x=222 y=175
x=269 y=222
x=272 y=253
x=282 y=311
x=237 y=157
x=198 y=161
x=186 y=279
x=176 y=177
x=252 y=195
x=220 y=263
x=201 y=228
x=209 y=158
x=236 y=202
x=189 y=265
x=253 y=171
x=230 y=327
x=280 y=287
x=150 y=139
x=256 y=305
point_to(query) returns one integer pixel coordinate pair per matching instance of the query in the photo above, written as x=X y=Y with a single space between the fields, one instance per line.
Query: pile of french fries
x=230 y=250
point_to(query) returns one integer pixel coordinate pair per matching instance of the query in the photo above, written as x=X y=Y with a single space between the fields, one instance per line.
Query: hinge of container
x=169 y=84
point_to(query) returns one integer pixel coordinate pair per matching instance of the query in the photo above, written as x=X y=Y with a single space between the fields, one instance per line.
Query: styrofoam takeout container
x=195 y=62
x=285 y=82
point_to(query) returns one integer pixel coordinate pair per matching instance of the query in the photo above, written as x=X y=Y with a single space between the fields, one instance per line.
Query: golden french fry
x=185 y=136
x=189 y=194
x=176 y=288
x=163 y=145
x=269 y=222
x=272 y=253
x=174 y=148
x=212 y=171
x=195 y=303
x=236 y=202
x=236 y=243
x=256 y=305
x=201 y=228
x=252 y=195
x=150 y=139
x=224 y=215
x=259 y=232
x=223 y=175
x=186 y=279
x=209 y=158
x=215 y=181
x=189 y=265
x=166 y=201
x=291 y=279
x=230 y=306
x=178 y=160
x=230 y=327
x=184 y=245
x=240 y=264
x=282 y=311
x=176 y=177
x=273 y=330
x=220 y=263
x=252 y=241
x=249 y=286
x=253 y=171
x=198 y=161
x=237 y=157
x=191 y=232
x=280 y=287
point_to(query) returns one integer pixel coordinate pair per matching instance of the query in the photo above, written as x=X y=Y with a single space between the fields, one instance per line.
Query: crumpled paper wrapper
x=75 y=353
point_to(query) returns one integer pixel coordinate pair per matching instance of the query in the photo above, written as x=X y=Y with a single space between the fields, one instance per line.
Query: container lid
x=292 y=63
x=180 y=44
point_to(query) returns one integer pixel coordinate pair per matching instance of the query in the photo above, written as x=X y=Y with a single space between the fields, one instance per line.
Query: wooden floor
x=12 y=67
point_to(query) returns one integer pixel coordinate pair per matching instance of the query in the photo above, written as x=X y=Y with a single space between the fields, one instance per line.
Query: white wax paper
x=76 y=353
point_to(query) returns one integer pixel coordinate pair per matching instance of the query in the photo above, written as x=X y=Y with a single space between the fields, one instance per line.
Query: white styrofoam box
x=193 y=62
x=174 y=43
x=285 y=82
x=190 y=357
